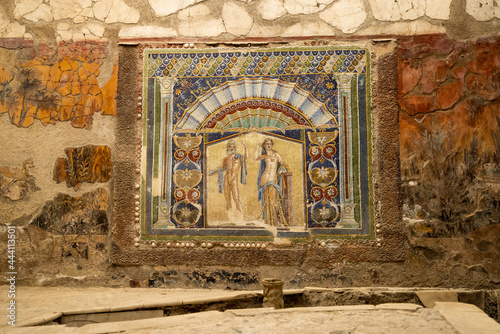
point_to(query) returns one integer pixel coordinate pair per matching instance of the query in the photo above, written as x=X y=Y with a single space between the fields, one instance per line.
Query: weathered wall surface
x=58 y=79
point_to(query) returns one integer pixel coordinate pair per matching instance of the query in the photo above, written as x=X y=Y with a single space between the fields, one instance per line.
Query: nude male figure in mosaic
x=232 y=165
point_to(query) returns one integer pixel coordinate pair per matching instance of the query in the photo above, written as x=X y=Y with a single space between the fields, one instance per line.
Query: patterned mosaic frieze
x=256 y=143
x=255 y=63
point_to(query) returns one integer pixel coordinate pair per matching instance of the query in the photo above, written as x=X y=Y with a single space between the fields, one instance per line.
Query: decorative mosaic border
x=332 y=78
x=141 y=237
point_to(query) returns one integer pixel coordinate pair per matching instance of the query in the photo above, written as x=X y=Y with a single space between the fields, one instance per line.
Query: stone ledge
x=399 y=307
x=40 y=320
x=429 y=298
x=467 y=318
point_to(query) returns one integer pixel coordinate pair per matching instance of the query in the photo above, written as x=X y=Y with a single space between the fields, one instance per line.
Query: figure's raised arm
x=278 y=156
x=257 y=155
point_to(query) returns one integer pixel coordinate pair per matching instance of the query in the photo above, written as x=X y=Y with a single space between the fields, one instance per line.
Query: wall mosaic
x=57 y=85
x=256 y=142
x=91 y=163
x=450 y=134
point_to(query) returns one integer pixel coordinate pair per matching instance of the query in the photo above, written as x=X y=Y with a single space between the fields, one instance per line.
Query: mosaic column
x=345 y=139
x=166 y=90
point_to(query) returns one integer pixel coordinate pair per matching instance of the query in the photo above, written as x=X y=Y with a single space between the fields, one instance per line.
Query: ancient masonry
x=211 y=143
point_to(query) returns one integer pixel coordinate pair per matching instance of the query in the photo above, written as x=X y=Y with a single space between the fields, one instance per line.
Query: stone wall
x=58 y=84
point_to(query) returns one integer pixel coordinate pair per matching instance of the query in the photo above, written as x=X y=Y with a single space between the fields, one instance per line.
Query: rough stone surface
x=467 y=318
x=266 y=30
x=112 y=11
x=63 y=9
x=271 y=9
x=236 y=19
x=91 y=32
x=198 y=21
x=429 y=298
x=78 y=301
x=438 y=9
x=345 y=15
x=162 y=9
x=8 y=28
x=146 y=32
x=315 y=28
x=24 y=7
x=389 y=10
x=483 y=10
x=43 y=12
x=416 y=27
x=305 y=6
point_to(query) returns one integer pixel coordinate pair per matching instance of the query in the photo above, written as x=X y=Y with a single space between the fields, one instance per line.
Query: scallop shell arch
x=259 y=102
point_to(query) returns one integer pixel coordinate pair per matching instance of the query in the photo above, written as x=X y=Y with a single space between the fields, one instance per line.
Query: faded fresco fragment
x=256 y=142
x=15 y=182
x=84 y=215
x=91 y=163
x=57 y=85
x=450 y=135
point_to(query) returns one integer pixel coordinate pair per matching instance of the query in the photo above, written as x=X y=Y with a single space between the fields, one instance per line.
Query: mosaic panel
x=256 y=143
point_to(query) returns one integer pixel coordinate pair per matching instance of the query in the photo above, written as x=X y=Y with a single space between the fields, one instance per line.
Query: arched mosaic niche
x=246 y=146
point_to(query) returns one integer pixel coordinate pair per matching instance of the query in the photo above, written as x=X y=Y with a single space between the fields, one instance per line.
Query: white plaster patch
x=113 y=11
x=438 y=9
x=271 y=9
x=87 y=32
x=101 y=9
x=24 y=7
x=483 y=10
x=95 y=29
x=403 y=28
x=265 y=31
x=305 y=6
x=146 y=31
x=122 y=13
x=236 y=19
x=395 y=10
x=164 y=8
x=42 y=13
x=83 y=15
x=62 y=9
x=347 y=15
x=198 y=21
x=316 y=28
x=8 y=28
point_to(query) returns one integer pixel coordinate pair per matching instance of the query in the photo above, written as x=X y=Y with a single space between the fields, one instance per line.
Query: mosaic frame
x=154 y=91
x=263 y=85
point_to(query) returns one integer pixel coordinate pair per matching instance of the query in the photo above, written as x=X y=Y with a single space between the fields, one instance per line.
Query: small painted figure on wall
x=233 y=164
x=270 y=183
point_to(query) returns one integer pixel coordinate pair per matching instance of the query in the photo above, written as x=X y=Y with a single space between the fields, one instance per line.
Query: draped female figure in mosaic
x=270 y=184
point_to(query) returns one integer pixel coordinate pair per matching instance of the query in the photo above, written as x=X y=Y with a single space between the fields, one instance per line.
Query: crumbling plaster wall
x=58 y=79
